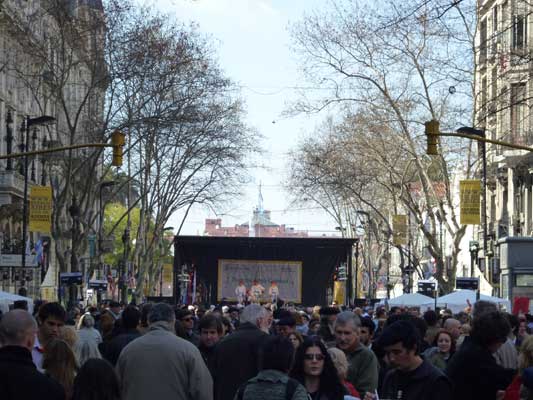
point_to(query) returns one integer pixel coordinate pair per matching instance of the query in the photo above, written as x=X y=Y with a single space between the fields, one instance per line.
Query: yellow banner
x=399 y=230
x=470 y=194
x=339 y=292
x=40 y=209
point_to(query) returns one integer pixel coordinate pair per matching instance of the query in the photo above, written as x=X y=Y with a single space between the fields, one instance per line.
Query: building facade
x=503 y=110
x=38 y=77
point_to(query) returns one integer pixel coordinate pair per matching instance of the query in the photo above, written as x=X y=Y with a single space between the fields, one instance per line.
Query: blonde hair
x=69 y=335
x=525 y=358
x=340 y=361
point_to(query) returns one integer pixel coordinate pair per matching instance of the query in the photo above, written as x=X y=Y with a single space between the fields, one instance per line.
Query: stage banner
x=263 y=280
x=339 y=292
x=40 y=209
x=399 y=230
x=470 y=194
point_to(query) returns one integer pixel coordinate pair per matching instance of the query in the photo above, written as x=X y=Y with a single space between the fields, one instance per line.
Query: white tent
x=7 y=299
x=457 y=301
x=413 y=300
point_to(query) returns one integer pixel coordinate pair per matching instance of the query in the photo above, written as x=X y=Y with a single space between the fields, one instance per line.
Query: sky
x=253 y=40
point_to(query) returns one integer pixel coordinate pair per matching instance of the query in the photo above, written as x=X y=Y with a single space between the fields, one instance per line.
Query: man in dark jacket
x=236 y=357
x=473 y=370
x=411 y=377
x=211 y=331
x=129 y=321
x=19 y=378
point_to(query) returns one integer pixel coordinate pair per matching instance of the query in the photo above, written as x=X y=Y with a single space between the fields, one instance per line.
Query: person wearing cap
x=286 y=326
x=328 y=315
x=185 y=317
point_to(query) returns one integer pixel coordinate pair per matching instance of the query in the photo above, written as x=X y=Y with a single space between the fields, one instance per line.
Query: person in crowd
x=296 y=339
x=272 y=381
x=70 y=335
x=286 y=325
x=328 y=315
x=473 y=370
x=363 y=364
x=130 y=321
x=314 y=369
x=432 y=321
x=59 y=363
x=96 y=380
x=506 y=355
x=234 y=316
x=211 y=331
x=51 y=319
x=410 y=376
x=114 y=310
x=185 y=317
x=160 y=365
x=302 y=327
x=517 y=390
x=341 y=364
x=145 y=310
x=88 y=340
x=228 y=327
x=441 y=352
x=19 y=377
x=314 y=327
x=239 y=350
x=366 y=331
x=453 y=326
x=522 y=332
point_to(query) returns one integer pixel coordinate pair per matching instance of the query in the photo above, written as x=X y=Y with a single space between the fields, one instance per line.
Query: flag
x=38 y=250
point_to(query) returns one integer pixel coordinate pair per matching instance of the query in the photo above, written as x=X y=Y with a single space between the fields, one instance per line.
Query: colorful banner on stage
x=41 y=209
x=260 y=281
x=470 y=194
x=399 y=230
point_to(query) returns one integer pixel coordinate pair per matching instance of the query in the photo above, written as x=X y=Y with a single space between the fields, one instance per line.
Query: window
x=519 y=32
x=495 y=19
x=483 y=42
x=518 y=110
x=505 y=286
x=524 y=279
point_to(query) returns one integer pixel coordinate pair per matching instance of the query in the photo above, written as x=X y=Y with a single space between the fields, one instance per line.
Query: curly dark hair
x=330 y=383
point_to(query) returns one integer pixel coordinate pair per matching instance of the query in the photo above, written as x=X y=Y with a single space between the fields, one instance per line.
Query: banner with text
x=399 y=230
x=40 y=209
x=261 y=277
x=470 y=194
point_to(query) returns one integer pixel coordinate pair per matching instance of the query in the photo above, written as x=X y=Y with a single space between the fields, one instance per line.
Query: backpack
x=290 y=388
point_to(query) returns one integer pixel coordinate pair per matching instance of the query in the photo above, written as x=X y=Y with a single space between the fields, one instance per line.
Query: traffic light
x=118 y=139
x=432 y=133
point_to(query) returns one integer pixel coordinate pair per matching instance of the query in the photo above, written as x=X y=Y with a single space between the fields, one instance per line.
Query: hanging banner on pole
x=41 y=209
x=399 y=230
x=470 y=196
x=339 y=292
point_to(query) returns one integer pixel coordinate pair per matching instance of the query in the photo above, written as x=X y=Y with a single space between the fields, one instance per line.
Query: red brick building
x=262 y=226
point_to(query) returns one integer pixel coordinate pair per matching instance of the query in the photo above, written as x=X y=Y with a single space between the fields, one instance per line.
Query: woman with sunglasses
x=314 y=369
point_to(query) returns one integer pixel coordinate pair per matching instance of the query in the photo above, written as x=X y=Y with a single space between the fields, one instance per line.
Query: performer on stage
x=273 y=292
x=257 y=291
x=240 y=292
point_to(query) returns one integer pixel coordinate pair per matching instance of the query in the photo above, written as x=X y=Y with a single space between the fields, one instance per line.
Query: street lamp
x=481 y=133
x=38 y=121
x=167 y=228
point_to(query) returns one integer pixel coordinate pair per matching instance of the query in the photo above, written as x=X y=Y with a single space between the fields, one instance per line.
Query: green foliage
x=113 y=213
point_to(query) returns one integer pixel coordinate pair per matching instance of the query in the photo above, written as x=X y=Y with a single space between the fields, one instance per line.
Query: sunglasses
x=318 y=357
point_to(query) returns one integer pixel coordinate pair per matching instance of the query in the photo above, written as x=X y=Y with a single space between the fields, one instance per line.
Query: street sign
x=467 y=283
x=98 y=284
x=71 y=278
x=426 y=288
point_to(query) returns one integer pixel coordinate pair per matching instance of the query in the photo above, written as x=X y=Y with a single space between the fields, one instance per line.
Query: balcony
x=11 y=182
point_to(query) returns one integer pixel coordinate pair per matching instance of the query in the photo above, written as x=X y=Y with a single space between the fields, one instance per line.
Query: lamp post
x=42 y=120
x=74 y=211
x=481 y=132
x=9 y=139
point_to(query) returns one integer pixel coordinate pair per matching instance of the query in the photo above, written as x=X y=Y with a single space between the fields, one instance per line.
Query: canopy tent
x=7 y=299
x=457 y=301
x=412 y=300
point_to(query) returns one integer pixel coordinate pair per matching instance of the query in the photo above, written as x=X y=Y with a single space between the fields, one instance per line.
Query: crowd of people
x=157 y=351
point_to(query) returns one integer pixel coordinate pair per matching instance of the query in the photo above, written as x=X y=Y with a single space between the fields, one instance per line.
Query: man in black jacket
x=236 y=357
x=126 y=332
x=411 y=377
x=19 y=378
x=473 y=370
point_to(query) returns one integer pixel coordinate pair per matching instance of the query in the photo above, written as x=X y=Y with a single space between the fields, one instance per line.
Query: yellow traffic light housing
x=432 y=133
x=118 y=139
